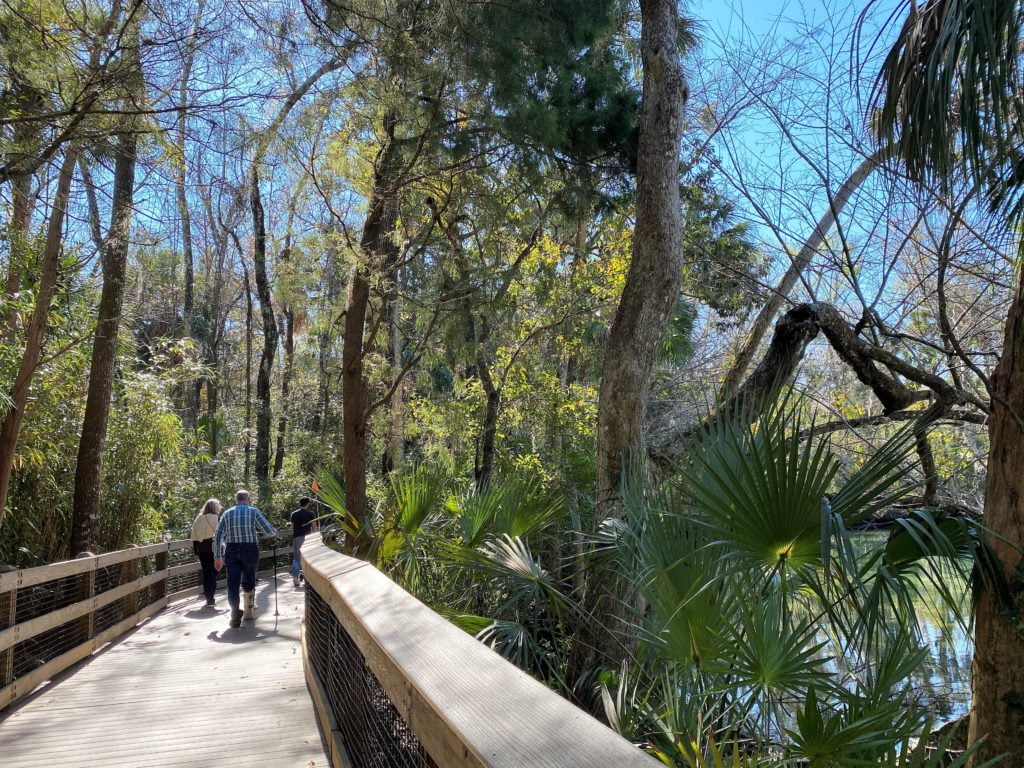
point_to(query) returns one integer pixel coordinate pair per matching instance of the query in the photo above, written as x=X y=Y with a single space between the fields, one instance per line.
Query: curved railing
x=55 y=615
x=396 y=684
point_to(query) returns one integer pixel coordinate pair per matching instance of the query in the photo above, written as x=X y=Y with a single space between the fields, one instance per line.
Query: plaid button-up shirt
x=240 y=524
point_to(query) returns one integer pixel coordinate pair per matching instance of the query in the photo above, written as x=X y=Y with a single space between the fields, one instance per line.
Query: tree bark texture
x=286 y=381
x=37 y=325
x=394 y=453
x=325 y=338
x=192 y=389
x=655 y=272
x=248 y=373
x=648 y=299
x=378 y=248
x=485 y=466
x=263 y=414
x=998 y=672
x=85 y=523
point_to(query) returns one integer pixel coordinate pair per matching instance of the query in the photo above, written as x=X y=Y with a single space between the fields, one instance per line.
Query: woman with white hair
x=203 y=529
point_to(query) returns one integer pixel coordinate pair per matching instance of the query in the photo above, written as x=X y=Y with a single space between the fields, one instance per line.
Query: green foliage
x=145 y=470
x=723 y=267
x=515 y=508
x=558 y=73
x=756 y=592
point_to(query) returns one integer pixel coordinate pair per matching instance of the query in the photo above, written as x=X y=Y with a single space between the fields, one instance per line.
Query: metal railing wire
x=395 y=684
x=374 y=733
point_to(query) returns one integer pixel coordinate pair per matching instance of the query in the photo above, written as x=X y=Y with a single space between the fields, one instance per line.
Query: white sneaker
x=249 y=601
x=295 y=582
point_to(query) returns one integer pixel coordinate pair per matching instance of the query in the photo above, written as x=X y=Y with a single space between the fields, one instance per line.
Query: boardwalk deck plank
x=183 y=690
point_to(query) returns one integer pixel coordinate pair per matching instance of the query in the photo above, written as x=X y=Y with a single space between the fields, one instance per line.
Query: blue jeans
x=296 y=559
x=241 y=560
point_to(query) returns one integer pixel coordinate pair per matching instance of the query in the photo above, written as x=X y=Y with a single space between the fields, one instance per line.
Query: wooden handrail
x=467 y=706
x=130 y=586
x=31 y=576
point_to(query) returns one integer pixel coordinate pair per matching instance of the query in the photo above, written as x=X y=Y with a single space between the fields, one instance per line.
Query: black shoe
x=210 y=602
x=236 y=618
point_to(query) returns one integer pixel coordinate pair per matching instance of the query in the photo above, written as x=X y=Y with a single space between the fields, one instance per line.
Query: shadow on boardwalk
x=181 y=690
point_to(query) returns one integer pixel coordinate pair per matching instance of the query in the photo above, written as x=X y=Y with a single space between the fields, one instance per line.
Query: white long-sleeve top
x=204 y=526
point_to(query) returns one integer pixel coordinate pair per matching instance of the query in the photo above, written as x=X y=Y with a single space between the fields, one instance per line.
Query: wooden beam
x=29 y=577
x=328 y=725
x=129 y=573
x=469 y=707
x=29 y=629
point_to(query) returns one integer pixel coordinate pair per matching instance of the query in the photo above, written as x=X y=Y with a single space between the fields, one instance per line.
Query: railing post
x=129 y=573
x=8 y=609
x=160 y=588
x=87 y=591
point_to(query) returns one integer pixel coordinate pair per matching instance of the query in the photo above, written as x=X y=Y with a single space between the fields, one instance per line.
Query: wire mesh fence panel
x=34 y=652
x=181 y=556
x=47 y=597
x=267 y=553
x=108 y=577
x=109 y=615
x=149 y=595
x=180 y=581
x=373 y=730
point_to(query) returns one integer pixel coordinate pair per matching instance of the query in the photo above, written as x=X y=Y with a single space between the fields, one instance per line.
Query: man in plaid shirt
x=235 y=545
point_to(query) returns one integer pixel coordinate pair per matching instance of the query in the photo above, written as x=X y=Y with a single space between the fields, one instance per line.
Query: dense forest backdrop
x=599 y=329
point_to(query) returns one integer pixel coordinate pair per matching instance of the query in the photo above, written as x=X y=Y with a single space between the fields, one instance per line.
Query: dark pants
x=241 y=561
x=209 y=574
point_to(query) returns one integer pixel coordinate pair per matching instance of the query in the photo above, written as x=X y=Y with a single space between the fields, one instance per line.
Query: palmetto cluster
x=765 y=631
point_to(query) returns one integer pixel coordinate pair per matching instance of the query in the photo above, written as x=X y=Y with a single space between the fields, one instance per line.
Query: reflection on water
x=945 y=679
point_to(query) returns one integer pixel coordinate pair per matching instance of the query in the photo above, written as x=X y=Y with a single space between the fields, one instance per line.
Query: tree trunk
x=648 y=299
x=212 y=405
x=490 y=427
x=324 y=339
x=248 y=374
x=394 y=451
x=263 y=415
x=655 y=272
x=85 y=523
x=378 y=247
x=997 y=714
x=192 y=389
x=286 y=380
x=37 y=325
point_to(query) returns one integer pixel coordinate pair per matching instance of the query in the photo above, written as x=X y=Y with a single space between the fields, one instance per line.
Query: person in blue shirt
x=235 y=545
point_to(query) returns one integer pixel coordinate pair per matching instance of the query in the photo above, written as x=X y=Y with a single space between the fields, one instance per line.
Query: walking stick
x=275 y=577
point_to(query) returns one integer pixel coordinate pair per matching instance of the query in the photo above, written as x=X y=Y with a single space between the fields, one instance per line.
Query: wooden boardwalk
x=183 y=690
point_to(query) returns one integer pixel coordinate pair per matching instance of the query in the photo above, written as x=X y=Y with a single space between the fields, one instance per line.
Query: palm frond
x=333 y=495
x=761 y=488
x=415 y=494
x=952 y=79
x=883 y=479
x=514 y=507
